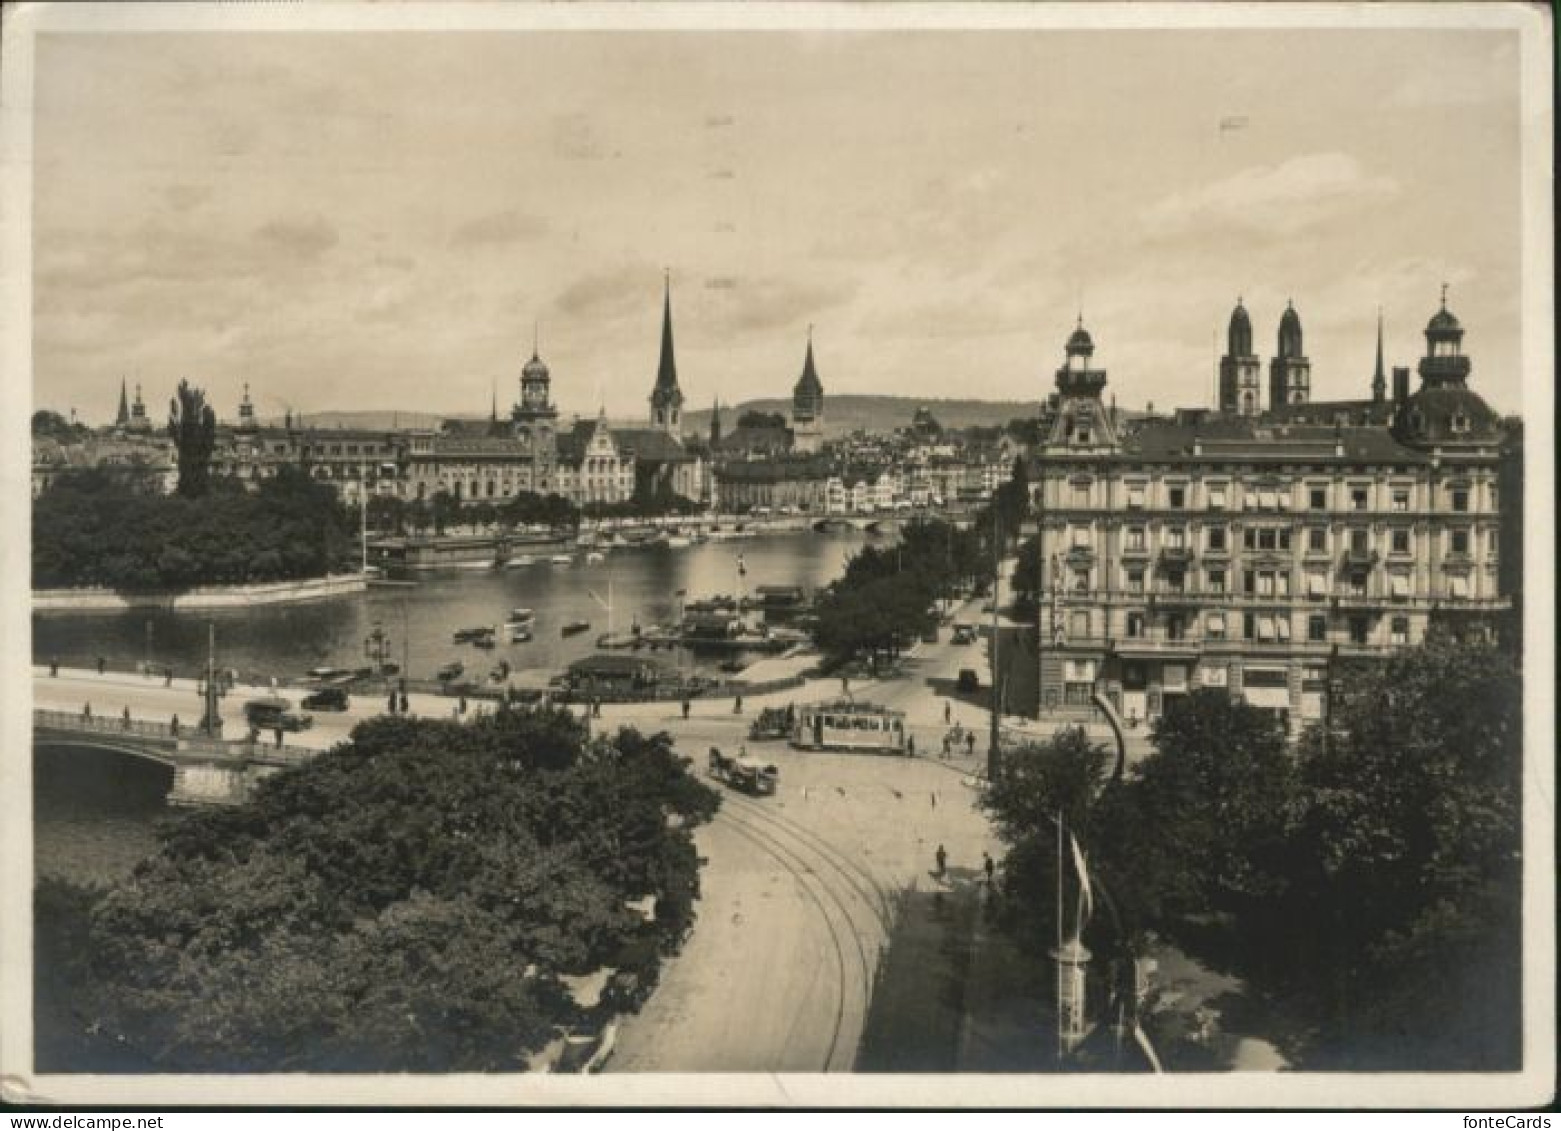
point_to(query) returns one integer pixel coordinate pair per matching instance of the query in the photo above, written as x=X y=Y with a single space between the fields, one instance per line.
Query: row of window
x=1271 y=538
x=1270 y=583
x=1264 y=628
x=1219 y=496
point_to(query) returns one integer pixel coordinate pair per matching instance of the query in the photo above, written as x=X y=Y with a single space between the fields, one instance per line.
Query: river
x=97 y=835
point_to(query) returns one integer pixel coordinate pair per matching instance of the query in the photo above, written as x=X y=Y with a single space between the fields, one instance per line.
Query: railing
x=100 y=724
x=187 y=740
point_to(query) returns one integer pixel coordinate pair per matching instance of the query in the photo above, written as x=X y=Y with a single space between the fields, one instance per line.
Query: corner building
x=1247 y=549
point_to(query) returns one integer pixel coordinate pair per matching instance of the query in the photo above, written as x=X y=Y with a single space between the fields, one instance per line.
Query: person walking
x=463 y=704
x=685 y=709
x=391 y=704
x=102 y=665
x=127 y=718
x=948 y=713
x=737 y=705
x=988 y=867
x=970 y=743
x=279 y=738
x=86 y=710
x=942 y=858
x=406 y=704
x=910 y=746
x=54 y=667
x=174 y=726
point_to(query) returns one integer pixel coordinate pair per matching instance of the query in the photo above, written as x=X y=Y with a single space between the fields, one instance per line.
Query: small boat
x=595 y=556
x=562 y=559
x=520 y=634
x=500 y=672
x=678 y=541
x=483 y=642
x=575 y=627
x=521 y=616
x=474 y=635
x=451 y=671
x=520 y=562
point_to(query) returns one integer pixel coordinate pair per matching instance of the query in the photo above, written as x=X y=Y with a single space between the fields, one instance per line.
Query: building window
x=1248 y=626
x=1080 y=495
x=1217 y=496
x=1318 y=498
x=1460 y=541
x=1265 y=584
x=1401 y=499
x=1177 y=497
x=1359 y=630
x=1175 y=628
x=1249 y=582
x=1135 y=580
x=1135 y=537
x=1461 y=499
x=1081 y=581
x=1359 y=498
x=1216 y=581
x=1079 y=624
x=1175 y=537
x=1358 y=539
x=1216 y=538
x=1135 y=625
x=1176 y=581
x=1401 y=541
x=1358 y=583
x=1317 y=540
x=1135 y=496
x=1317 y=629
x=1398 y=585
x=1214 y=626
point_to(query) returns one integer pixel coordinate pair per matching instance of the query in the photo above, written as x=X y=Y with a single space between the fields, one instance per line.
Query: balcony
x=1359 y=558
x=1176 y=556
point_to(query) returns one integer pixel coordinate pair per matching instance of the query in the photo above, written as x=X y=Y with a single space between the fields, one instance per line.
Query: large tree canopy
x=192 y=425
x=407 y=902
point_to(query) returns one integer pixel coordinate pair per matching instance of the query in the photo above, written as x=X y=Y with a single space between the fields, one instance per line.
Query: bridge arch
x=125 y=746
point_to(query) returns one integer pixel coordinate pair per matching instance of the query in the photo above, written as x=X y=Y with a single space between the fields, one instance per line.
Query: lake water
x=286 y=640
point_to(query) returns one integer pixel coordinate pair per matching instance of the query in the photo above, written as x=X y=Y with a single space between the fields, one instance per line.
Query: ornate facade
x=1244 y=549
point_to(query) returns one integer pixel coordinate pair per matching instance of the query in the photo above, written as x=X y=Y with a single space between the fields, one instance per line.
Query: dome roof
x=535 y=368
x=1449 y=414
x=1443 y=322
x=1080 y=342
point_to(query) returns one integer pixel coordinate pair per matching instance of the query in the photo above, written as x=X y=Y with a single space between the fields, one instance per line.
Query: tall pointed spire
x=124 y=406
x=1379 y=380
x=666 y=399
x=667 y=370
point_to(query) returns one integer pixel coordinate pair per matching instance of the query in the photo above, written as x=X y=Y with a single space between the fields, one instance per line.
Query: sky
x=385 y=220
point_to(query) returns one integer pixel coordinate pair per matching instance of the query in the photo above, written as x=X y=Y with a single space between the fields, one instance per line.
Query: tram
x=847 y=725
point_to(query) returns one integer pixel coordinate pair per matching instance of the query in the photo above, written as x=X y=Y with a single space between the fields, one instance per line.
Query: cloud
x=506 y=227
x=1283 y=200
x=307 y=237
x=747 y=304
x=608 y=294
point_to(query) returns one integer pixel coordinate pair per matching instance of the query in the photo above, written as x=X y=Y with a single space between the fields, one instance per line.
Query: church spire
x=1379 y=381
x=666 y=399
x=124 y=407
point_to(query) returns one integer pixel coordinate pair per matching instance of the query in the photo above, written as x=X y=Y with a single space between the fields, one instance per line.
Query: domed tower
x=807 y=406
x=534 y=419
x=1445 y=412
x=1080 y=420
x=666 y=399
x=1241 y=380
x=139 y=421
x=246 y=413
x=1290 y=373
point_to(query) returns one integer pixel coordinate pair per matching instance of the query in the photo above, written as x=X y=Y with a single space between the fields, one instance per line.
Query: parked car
x=326 y=699
x=968 y=681
x=964 y=634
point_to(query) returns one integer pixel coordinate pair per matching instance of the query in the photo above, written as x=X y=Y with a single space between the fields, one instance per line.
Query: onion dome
x=535 y=369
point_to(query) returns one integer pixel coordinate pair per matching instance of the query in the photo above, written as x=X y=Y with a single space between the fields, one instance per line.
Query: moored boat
x=575 y=627
x=562 y=559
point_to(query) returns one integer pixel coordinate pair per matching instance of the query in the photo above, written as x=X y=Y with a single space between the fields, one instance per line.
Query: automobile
x=273 y=714
x=964 y=634
x=326 y=699
x=968 y=681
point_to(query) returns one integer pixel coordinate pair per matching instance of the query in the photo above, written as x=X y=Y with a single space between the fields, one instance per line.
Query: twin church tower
x=1241 y=370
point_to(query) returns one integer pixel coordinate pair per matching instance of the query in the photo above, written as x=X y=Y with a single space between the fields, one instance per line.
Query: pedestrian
x=391 y=705
x=988 y=867
x=86 y=711
x=168 y=676
x=945 y=755
x=102 y=665
x=406 y=704
x=947 y=713
x=845 y=685
x=934 y=799
x=455 y=711
x=127 y=718
x=737 y=705
x=54 y=667
x=596 y=707
x=942 y=858
x=910 y=746
x=279 y=738
x=174 y=726
x=463 y=704
x=970 y=743
x=685 y=709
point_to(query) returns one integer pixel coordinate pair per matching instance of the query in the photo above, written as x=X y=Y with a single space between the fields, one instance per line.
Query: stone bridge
x=206 y=771
x=885 y=522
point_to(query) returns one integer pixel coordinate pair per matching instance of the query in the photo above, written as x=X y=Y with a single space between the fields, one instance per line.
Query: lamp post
x=376 y=647
x=211 y=720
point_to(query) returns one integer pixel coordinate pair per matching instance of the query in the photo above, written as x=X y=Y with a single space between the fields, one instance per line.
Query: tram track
x=845 y=934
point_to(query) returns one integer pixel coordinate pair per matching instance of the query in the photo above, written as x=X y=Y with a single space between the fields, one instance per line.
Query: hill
x=846 y=412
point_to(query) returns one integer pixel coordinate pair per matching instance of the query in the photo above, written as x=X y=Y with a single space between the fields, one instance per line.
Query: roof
x=1448 y=414
x=1247 y=438
x=772 y=471
x=572 y=441
x=651 y=445
x=808 y=385
x=667 y=369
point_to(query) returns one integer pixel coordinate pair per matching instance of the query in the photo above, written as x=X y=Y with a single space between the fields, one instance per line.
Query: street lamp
x=376 y=647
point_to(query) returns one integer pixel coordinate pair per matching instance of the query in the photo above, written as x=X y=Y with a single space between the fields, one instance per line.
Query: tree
x=753 y=418
x=1407 y=858
x=51 y=424
x=192 y=425
x=408 y=901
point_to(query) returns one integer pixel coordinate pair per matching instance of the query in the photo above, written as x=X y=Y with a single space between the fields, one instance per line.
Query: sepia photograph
x=778 y=555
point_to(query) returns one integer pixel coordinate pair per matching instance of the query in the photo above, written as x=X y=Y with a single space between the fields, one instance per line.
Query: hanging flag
x=1086 y=896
